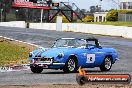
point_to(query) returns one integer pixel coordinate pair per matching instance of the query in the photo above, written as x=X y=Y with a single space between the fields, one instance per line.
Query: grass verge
x=12 y=52
x=129 y=24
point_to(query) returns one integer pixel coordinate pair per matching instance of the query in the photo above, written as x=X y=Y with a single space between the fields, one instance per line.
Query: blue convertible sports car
x=68 y=54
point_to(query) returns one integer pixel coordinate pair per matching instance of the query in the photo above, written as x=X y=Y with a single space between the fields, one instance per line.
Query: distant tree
x=83 y=10
x=106 y=10
x=94 y=9
x=98 y=8
x=64 y=20
x=5 y=5
x=112 y=15
x=88 y=19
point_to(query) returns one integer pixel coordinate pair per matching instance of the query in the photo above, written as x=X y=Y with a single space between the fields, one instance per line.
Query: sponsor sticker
x=90 y=58
x=83 y=78
x=111 y=78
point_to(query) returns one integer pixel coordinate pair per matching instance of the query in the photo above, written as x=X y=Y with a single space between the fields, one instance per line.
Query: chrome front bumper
x=117 y=59
x=43 y=63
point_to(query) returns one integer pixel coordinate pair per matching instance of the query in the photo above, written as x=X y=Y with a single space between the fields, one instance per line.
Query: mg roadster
x=68 y=54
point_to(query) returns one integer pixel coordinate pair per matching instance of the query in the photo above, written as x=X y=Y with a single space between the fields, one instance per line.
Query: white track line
x=20 y=41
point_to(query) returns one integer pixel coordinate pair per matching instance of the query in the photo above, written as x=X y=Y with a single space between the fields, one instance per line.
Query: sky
x=85 y=4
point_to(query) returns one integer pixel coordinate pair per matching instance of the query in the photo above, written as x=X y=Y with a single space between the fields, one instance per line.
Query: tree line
x=5 y=6
x=33 y=14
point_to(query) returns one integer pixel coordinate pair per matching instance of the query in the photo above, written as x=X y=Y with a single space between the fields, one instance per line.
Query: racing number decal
x=90 y=58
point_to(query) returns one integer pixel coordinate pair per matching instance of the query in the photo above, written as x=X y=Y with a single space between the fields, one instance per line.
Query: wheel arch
x=71 y=57
x=110 y=57
x=103 y=67
x=74 y=57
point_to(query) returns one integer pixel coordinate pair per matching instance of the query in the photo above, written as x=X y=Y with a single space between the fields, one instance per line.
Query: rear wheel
x=107 y=64
x=36 y=69
x=71 y=65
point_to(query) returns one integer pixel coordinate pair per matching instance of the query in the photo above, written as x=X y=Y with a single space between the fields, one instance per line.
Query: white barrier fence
x=46 y=26
x=111 y=30
x=20 y=24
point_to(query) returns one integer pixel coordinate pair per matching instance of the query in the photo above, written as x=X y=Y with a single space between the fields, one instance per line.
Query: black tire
x=81 y=80
x=36 y=69
x=129 y=80
x=70 y=65
x=107 y=64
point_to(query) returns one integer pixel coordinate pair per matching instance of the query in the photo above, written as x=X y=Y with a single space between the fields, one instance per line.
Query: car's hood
x=54 y=52
x=109 y=50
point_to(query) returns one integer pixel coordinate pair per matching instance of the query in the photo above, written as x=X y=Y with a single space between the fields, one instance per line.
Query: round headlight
x=61 y=55
x=30 y=55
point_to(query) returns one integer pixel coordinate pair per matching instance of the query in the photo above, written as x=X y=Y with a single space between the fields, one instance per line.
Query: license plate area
x=45 y=66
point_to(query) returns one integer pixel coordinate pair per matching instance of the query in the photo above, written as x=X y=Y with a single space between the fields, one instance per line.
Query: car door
x=94 y=56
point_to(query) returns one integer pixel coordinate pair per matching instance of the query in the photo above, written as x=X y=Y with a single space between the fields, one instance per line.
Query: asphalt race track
x=46 y=38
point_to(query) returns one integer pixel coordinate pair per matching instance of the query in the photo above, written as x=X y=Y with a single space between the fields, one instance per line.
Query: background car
x=68 y=54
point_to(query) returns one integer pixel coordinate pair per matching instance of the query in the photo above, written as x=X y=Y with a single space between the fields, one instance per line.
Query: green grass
x=129 y=24
x=12 y=54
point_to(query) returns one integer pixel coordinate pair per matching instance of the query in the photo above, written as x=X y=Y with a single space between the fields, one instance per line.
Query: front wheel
x=36 y=69
x=107 y=64
x=70 y=66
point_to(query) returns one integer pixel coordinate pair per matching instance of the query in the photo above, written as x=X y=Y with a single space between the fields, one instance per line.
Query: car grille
x=42 y=59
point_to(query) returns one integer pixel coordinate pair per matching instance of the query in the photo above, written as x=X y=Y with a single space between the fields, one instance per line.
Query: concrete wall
x=46 y=26
x=111 y=30
x=20 y=24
